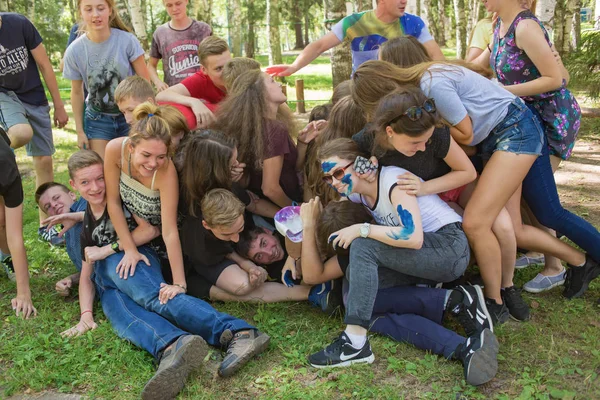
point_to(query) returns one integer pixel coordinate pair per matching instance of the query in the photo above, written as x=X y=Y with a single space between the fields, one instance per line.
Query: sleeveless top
x=140 y=200
x=558 y=109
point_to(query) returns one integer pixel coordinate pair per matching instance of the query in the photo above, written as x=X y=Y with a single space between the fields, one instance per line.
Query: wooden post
x=300 y=108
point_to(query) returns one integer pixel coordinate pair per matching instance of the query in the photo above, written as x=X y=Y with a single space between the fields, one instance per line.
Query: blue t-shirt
x=18 y=70
x=73 y=235
x=367 y=33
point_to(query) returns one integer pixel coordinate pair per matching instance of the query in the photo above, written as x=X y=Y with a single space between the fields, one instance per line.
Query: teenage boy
x=179 y=349
x=24 y=109
x=205 y=89
x=176 y=44
x=63 y=207
x=366 y=31
x=12 y=248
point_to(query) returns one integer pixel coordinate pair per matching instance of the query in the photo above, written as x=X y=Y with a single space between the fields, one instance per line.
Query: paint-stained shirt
x=367 y=33
x=435 y=213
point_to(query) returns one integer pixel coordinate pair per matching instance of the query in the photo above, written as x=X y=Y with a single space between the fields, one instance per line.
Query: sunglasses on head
x=414 y=113
x=338 y=174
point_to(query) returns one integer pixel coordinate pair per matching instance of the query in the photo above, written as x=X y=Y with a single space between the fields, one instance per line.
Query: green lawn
x=555 y=355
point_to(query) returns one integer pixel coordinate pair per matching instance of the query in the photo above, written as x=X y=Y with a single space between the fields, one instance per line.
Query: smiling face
x=265 y=249
x=56 y=201
x=273 y=90
x=148 y=156
x=96 y=14
x=408 y=145
x=343 y=184
x=89 y=182
x=229 y=233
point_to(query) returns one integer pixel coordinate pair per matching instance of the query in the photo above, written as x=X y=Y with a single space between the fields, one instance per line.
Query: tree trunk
x=419 y=7
x=544 y=10
x=234 y=22
x=202 y=10
x=251 y=36
x=138 y=22
x=576 y=32
x=124 y=13
x=298 y=25
x=461 y=28
x=306 y=28
x=273 y=38
x=597 y=11
x=341 y=58
x=433 y=20
x=144 y=6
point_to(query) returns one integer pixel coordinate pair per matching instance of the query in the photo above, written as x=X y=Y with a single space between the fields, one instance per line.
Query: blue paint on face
x=327 y=166
x=408 y=225
x=347 y=180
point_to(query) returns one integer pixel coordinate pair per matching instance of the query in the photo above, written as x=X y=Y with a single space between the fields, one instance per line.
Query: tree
x=297 y=21
x=273 y=37
x=234 y=22
x=202 y=10
x=137 y=20
x=461 y=28
x=544 y=10
x=435 y=21
x=341 y=59
x=576 y=33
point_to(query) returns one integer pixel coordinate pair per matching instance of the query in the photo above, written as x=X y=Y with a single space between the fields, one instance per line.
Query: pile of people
x=415 y=171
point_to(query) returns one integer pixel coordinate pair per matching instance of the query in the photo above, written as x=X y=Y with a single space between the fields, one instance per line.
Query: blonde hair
x=237 y=66
x=134 y=87
x=211 y=46
x=174 y=118
x=82 y=159
x=220 y=207
x=150 y=125
x=114 y=21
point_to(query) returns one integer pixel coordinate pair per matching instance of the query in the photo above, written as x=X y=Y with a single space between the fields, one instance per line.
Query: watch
x=365 y=229
x=115 y=246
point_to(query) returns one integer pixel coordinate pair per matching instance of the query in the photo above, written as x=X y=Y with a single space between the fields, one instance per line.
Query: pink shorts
x=452 y=195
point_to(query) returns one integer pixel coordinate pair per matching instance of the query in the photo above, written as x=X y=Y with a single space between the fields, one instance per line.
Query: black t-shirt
x=200 y=247
x=343 y=258
x=428 y=164
x=18 y=70
x=101 y=232
x=11 y=187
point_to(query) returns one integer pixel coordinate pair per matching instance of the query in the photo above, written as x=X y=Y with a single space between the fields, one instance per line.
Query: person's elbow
x=312 y=279
x=556 y=82
x=271 y=190
x=471 y=174
x=416 y=243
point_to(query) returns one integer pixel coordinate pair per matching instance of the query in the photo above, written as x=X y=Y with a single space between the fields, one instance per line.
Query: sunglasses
x=414 y=113
x=338 y=174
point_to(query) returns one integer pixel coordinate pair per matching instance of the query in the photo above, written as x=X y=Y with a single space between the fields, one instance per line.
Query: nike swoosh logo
x=345 y=357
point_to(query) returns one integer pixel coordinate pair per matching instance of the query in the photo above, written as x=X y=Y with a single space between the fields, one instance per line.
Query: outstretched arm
x=310 y=52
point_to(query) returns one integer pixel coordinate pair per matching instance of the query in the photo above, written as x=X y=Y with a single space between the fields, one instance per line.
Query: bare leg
x=492 y=192
x=98 y=145
x=43 y=173
x=20 y=135
x=269 y=292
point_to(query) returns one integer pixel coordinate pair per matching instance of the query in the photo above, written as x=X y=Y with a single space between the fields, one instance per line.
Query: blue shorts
x=102 y=126
x=519 y=132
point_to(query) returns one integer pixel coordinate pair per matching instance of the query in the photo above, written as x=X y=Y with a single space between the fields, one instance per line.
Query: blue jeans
x=414 y=315
x=188 y=313
x=541 y=195
x=102 y=126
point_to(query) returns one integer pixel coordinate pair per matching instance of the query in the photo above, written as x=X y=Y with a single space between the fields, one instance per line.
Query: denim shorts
x=519 y=132
x=97 y=125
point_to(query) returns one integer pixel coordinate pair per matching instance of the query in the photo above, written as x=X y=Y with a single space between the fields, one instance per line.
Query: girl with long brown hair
x=101 y=58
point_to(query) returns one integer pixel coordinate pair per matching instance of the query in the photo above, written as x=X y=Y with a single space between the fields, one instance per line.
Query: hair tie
x=150 y=115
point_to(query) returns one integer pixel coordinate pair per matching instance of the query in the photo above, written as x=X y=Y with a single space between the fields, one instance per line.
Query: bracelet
x=85 y=312
x=181 y=286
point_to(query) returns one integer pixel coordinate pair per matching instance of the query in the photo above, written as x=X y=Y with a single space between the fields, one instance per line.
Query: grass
x=554 y=356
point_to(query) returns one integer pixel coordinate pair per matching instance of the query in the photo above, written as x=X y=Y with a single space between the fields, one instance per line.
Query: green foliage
x=584 y=65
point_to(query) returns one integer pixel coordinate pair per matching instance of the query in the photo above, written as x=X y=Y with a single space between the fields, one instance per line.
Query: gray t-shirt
x=101 y=66
x=459 y=92
x=178 y=49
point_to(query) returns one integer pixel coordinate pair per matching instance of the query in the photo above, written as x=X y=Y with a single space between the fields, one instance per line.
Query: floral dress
x=558 y=109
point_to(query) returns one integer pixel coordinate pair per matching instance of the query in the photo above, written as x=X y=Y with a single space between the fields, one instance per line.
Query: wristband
x=181 y=286
x=85 y=312
x=115 y=247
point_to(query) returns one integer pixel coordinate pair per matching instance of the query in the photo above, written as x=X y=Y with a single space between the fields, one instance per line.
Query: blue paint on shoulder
x=327 y=166
x=408 y=225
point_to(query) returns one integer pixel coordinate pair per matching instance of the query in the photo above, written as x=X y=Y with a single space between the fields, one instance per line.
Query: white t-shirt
x=435 y=213
x=459 y=92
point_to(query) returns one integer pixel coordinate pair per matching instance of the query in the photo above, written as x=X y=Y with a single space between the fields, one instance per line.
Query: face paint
x=347 y=180
x=408 y=225
x=327 y=166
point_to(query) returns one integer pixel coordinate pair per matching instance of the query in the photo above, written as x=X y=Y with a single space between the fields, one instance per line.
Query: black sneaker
x=479 y=357
x=577 y=279
x=327 y=296
x=175 y=365
x=471 y=312
x=498 y=312
x=517 y=308
x=51 y=235
x=244 y=345
x=7 y=264
x=341 y=353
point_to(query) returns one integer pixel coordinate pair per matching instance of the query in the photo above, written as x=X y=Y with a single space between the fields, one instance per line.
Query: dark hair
x=246 y=238
x=343 y=89
x=404 y=51
x=320 y=112
x=39 y=192
x=82 y=159
x=206 y=157
x=335 y=216
x=344 y=148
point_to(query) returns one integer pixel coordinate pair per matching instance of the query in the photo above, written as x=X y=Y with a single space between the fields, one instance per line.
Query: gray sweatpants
x=443 y=257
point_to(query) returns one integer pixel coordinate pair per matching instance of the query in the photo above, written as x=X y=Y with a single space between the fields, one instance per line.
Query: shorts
x=199 y=280
x=13 y=192
x=452 y=195
x=100 y=126
x=519 y=132
x=14 y=112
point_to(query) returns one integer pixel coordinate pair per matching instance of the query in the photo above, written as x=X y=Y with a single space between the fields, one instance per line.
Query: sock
x=453 y=299
x=358 y=341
